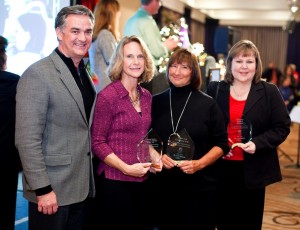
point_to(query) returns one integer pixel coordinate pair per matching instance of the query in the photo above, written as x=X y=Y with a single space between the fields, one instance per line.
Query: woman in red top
x=258 y=122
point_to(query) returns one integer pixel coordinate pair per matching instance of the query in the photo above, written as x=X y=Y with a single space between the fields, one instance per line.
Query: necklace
x=136 y=100
x=240 y=96
x=175 y=136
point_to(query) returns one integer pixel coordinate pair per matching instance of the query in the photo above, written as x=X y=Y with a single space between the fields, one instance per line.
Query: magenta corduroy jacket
x=118 y=128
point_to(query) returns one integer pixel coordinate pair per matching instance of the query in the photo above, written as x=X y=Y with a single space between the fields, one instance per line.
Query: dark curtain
x=210 y=29
x=293 y=51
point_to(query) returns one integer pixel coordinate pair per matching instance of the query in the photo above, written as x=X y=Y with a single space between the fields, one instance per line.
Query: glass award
x=239 y=132
x=149 y=150
x=180 y=146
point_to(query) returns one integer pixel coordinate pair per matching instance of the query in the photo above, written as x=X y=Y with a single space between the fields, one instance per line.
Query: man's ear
x=59 y=33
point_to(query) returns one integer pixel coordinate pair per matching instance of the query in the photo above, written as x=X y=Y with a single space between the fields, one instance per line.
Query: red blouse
x=236 y=109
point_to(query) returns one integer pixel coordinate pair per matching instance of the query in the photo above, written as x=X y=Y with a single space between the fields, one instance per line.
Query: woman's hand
x=249 y=147
x=168 y=162
x=138 y=169
x=187 y=166
x=156 y=167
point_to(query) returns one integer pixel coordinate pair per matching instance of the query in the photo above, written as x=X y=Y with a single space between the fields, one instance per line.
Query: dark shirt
x=204 y=122
x=8 y=85
x=81 y=77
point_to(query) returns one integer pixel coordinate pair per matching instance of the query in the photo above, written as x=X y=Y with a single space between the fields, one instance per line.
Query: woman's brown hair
x=106 y=17
x=182 y=55
x=244 y=48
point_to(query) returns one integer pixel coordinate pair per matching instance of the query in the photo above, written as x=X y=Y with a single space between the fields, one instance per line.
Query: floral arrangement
x=179 y=31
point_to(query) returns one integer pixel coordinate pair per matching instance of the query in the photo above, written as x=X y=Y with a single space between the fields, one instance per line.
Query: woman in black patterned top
x=187 y=188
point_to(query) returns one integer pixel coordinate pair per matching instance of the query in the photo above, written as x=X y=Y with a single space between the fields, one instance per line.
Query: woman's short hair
x=182 y=55
x=115 y=67
x=245 y=48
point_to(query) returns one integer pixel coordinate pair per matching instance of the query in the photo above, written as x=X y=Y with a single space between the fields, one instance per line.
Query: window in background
x=29 y=27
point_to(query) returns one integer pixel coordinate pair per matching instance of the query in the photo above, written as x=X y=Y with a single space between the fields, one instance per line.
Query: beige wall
x=128 y=8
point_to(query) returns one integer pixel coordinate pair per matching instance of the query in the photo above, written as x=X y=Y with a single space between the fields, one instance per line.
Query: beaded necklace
x=136 y=101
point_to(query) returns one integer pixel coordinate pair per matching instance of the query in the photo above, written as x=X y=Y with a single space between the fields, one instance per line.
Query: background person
x=121 y=120
x=248 y=168
x=55 y=99
x=11 y=165
x=288 y=87
x=187 y=190
x=143 y=25
x=272 y=73
x=105 y=38
x=287 y=92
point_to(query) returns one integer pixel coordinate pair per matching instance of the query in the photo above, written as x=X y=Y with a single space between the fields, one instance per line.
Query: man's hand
x=47 y=203
x=171 y=43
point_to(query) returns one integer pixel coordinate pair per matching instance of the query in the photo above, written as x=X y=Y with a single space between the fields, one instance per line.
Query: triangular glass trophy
x=149 y=150
x=180 y=146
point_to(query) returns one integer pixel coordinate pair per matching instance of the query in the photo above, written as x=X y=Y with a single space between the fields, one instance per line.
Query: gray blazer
x=52 y=132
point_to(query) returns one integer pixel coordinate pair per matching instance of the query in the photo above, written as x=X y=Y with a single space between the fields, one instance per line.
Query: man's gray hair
x=60 y=19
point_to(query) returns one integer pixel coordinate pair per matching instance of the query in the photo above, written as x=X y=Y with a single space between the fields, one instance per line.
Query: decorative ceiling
x=249 y=13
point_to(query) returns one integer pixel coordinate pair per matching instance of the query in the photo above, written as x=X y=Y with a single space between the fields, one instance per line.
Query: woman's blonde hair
x=106 y=17
x=245 y=48
x=115 y=67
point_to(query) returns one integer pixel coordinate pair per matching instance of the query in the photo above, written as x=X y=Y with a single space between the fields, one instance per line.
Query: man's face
x=154 y=6
x=76 y=37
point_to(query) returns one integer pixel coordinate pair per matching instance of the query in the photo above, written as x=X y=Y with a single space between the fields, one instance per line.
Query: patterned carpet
x=282 y=208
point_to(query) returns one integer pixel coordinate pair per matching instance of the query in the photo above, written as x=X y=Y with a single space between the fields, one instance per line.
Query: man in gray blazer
x=55 y=102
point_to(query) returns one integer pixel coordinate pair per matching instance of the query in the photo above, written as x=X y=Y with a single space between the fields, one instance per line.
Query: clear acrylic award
x=149 y=150
x=180 y=146
x=239 y=132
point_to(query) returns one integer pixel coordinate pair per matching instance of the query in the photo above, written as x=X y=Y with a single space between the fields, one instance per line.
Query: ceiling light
x=294 y=5
x=294 y=9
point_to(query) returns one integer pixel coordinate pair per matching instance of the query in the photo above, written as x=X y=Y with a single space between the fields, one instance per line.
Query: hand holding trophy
x=149 y=150
x=239 y=132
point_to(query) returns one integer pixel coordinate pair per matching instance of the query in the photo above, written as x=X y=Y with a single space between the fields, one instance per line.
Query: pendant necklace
x=242 y=96
x=137 y=99
x=174 y=138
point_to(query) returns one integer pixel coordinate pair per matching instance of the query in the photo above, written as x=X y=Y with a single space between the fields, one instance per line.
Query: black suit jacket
x=271 y=125
x=8 y=84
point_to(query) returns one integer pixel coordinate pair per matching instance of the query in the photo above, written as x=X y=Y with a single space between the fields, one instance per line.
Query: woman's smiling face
x=180 y=74
x=243 y=67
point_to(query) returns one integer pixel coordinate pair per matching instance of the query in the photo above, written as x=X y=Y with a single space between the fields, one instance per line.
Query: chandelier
x=293 y=5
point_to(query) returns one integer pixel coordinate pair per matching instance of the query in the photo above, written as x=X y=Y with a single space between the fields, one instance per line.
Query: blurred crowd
x=288 y=82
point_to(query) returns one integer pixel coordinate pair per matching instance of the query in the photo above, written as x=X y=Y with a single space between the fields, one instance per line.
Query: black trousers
x=185 y=209
x=237 y=206
x=8 y=194
x=69 y=217
x=121 y=205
